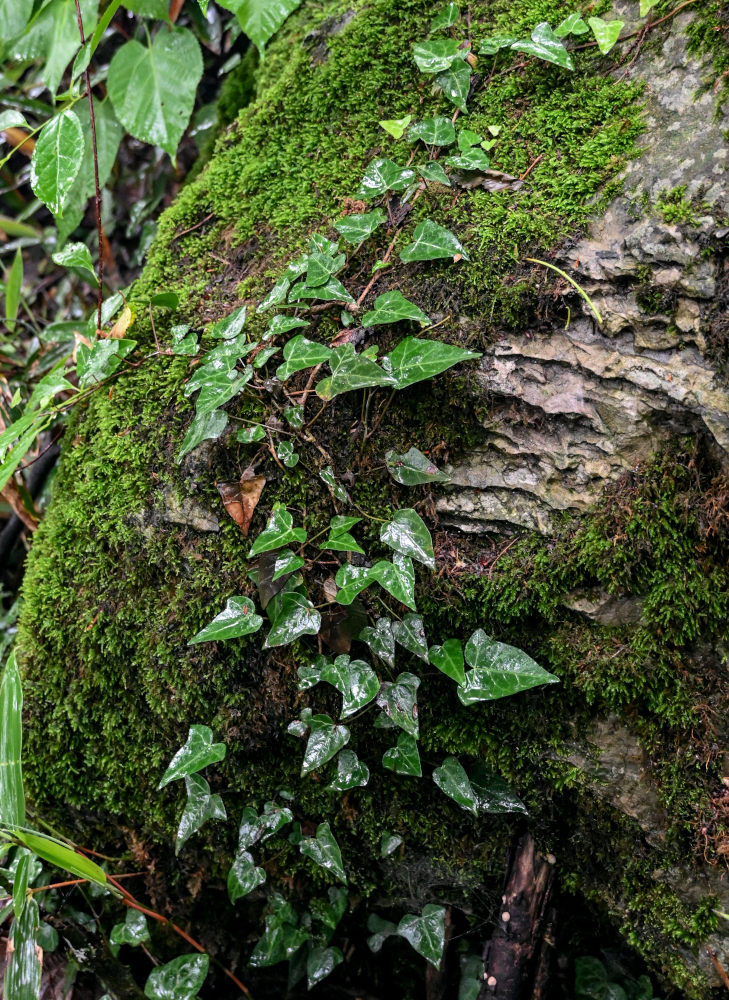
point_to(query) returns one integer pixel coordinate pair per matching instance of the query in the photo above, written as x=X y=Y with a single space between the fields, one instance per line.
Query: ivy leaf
x=415 y=360
x=410 y=633
x=300 y=353
x=545 y=45
x=389 y=843
x=279 y=531
x=397 y=578
x=201 y=806
x=238 y=619
x=95 y=363
x=437 y=56
x=404 y=758
x=23 y=969
x=12 y=797
x=433 y=131
x=322 y=267
x=336 y=489
x=277 y=295
x=197 y=753
x=248 y=435
x=573 y=24
x=204 y=427
x=326 y=739
x=474 y=160
x=179 y=979
x=391 y=307
x=357 y=228
x=132 y=931
x=396 y=126
x=355 y=679
x=646 y=5
x=296 y=616
x=434 y=172
x=287 y=562
x=184 y=342
x=261 y=19
x=499 y=670
x=219 y=387
x=381 y=930
x=324 y=851
x=77 y=257
x=340 y=539
x=56 y=160
x=230 y=326
x=451 y=778
x=449 y=659
x=446 y=17
x=351 y=772
x=432 y=242
x=425 y=933
x=413 y=468
x=491 y=46
x=321 y=962
x=606 y=32
x=351 y=371
x=381 y=640
x=282 y=938
x=332 y=291
x=455 y=83
x=493 y=793
x=153 y=88
x=408 y=534
x=384 y=175
x=282 y=324
x=399 y=701
x=351 y=580
x=243 y=876
x=286 y=453
x=471 y=978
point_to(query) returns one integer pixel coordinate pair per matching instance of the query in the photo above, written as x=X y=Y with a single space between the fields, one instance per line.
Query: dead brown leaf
x=490 y=180
x=12 y=495
x=241 y=499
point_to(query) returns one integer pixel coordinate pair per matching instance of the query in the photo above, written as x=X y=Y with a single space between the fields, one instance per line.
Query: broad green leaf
x=324 y=851
x=198 y=751
x=321 y=962
x=179 y=979
x=415 y=360
x=24 y=443
x=230 y=351
x=606 y=32
x=277 y=295
x=282 y=324
x=471 y=978
x=261 y=19
x=95 y=363
x=351 y=772
x=287 y=562
x=433 y=131
x=493 y=793
x=351 y=580
x=20 y=882
x=357 y=228
x=384 y=175
x=474 y=160
x=491 y=46
x=410 y=633
x=132 y=931
x=12 y=797
x=438 y=55
x=13 y=288
x=445 y=17
x=425 y=933
x=279 y=531
x=204 y=427
x=399 y=701
x=413 y=468
x=294 y=416
x=389 y=843
x=300 y=353
x=449 y=659
x=451 y=778
x=201 y=806
x=254 y=827
x=56 y=160
x=282 y=938
x=320 y=243
x=204 y=373
x=404 y=758
x=498 y=670
x=220 y=387
x=326 y=739
x=544 y=44
x=183 y=341
x=23 y=969
x=52 y=37
x=322 y=267
x=248 y=435
x=153 y=88
x=296 y=616
x=381 y=930
x=434 y=172
x=455 y=83
x=335 y=488
x=355 y=679
x=573 y=24
x=332 y=291
x=432 y=242
x=381 y=640
x=243 y=876
x=351 y=371
x=47 y=937
x=230 y=326
x=396 y=126
x=15 y=431
x=63 y=857
x=10 y=118
x=239 y=618
x=286 y=453
x=408 y=534
x=341 y=541
x=646 y=5
x=391 y=307
x=397 y=578
x=77 y=257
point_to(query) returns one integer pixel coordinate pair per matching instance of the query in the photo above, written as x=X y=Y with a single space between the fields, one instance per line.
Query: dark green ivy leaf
x=433 y=131
x=278 y=532
x=325 y=740
x=544 y=44
x=243 y=876
x=415 y=360
x=351 y=772
x=357 y=228
x=399 y=702
x=432 y=242
x=296 y=616
x=425 y=933
x=381 y=640
x=321 y=963
x=238 y=619
x=179 y=979
x=455 y=83
x=392 y=307
x=498 y=670
x=449 y=659
x=383 y=175
x=404 y=758
x=413 y=468
x=408 y=534
x=324 y=851
x=410 y=633
x=197 y=753
x=438 y=55
x=200 y=807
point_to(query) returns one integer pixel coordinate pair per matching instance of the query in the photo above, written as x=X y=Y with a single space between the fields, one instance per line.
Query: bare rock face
x=575 y=408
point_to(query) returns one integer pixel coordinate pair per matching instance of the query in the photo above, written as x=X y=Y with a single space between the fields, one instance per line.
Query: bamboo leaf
x=13 y=287
x=23 y=971
x=12 y=797
x=63 y=857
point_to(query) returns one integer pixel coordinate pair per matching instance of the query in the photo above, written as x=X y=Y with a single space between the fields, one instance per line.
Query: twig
x=192 y=229
x=531 y=167
x=154 y=332
x=718 y=966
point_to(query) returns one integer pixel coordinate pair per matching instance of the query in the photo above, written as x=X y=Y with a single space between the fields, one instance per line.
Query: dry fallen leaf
x=12 y=495
x=241 y=499
x=490 y=180
x=122 y=324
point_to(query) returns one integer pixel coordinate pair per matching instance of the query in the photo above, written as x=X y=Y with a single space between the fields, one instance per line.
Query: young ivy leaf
x=446 y=17
x=336 y=489
x=204 y=427
x=325 y=740
x=381 y=640
x=197 y=753
x=322 y=267
x=397 y=578
x=286 y=453
x=646 y=5
x=451 y=778
x=230 y=326
x=381 y=930
x=300 y=353
x=357 y=228
x=410 y=633
x=408 y=534
x=239 y=618
x=455 y=83
x=415 y=360
x=413 y=468
x=179 y=979
x=425 y=933
x=494 y=794
x=438 y=55
x=287 y=562
x=351 y=772
x=279 y=531
x=448 y=658
x=56 y=160
x=491 y=46
x=399 y=702
x=95 y=363
x=248 y=435
x=320 y=963
x=324 y=851
x=132 y=931
x=433 y=131
x=384 y=175
x=544 y=44
x=201 y=806
x=351 y=371
x=433 y=172
x=573 y=24
x=391 y=307
x=498 y=671
x=296 y=616
x=606 y=32
x=243 y=876
x=340 y=539
x=432 y=242
x=404 y=758
x=396 y=126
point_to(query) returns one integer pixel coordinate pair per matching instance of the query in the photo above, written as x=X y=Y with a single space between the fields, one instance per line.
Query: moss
x=674 y=207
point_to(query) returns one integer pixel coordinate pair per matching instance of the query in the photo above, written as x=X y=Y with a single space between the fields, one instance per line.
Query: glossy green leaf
x=384 y=175
x=434 y=172
x=23 y=969
x=13 y=288
x=286 y=453
x=474 y=160
x=449 y=659
x=498 y=670
x=332 y=291
x=437 y=131
x=10 y=118
x=438 y=55
x=239 y=618
x=446 y=17
x=230 y=326
x=335 y=488
x=47 y=937
x=544 y=44
x=20 y=881
x=201 y=806
x=326 y=739
x=254 y=828
x=381 y=640
x=204 y=427
x=243 y=876
x=351 y=371
x=20 y=449
x=389 y=843
x=455 y=83
x=184 y=342
x=56 y=160
x=48 y=387
x=391 y=307
x=351 y=772
x=573 y=24
x=357 y=228
x=416 y=360
x=407 y=533
x=179 y=979
x=277 y=295
x=294 y=416
x=261 y=19
x=399 y=701
x=491 y=46
x=198 y=751
x=300 y=353
x=432 y=242
x=63 y=857
x=425 y=933
x=397 y=578
x=281 y=940
x=493 y=793
x=282 y=324
x=152 y=89
x=296 y=616
x=52 y=36
x=12 y=797
x=205 y=372
x=410 y=633
x=355 y=679
x=95 y=363
x=451 y=778
x=606 y=32
x=351 y=580
x=324 y=851
x=221 y=387
x=321 y=962
x=279 y=531
x=229 y=350
x=248 y=435
x=413 y=468
x=132 y=931
x=340 y=540
x=287 y=562
x=471 y=978
x=646 y=5
x=396 y=126
x=322 y=267
x=380 y=930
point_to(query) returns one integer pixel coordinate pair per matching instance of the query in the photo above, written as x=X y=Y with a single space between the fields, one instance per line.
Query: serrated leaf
x=296 y=616
x=380 y=931
x=455 y=83
x=204 y=427
x=324 y=851
x=243 y=876
x=434 y=172
x=416 y=360
x=606 y=32
x=279 y=531
x=179 y=979
x=407 y=533
x=449 y=659
x=544 y=44
x=381 y=640
x=391 y=307
x=498 y=670
x=357 y=228
x=389 y=843
x=446 y=17
x=397 y=578
x=451 y=778
x=413 y=468
x=432 y=242
x=384 y=175
x=438 y=55
x=132 y=931
x=201 y=806
x=410 y=633
x=425 y=933
x=12 y=797
x=77 y=257
x=437 y=131
x=56 y=160
x=300 y=353
x=573 y=24
x=351 y=772
x=23 y=970
x=153 y=88
x=261 y=19
x=198 y=751
x=239 y=618
x=351 y=371
x=399 y=701
x=404 y=758
x=490 y=46
x=326 y=739
x=321 y=962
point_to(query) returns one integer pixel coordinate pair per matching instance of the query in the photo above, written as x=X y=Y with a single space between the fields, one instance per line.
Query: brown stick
x=718 y=966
